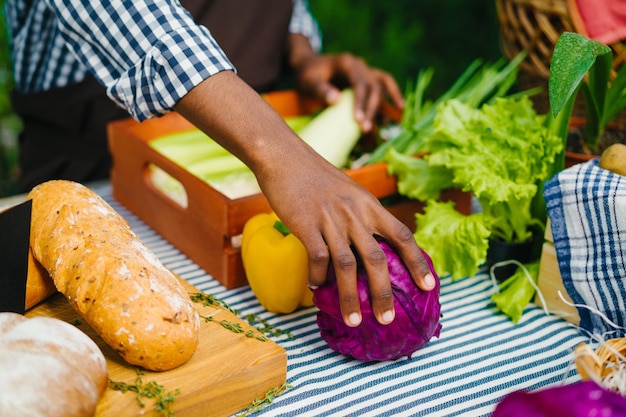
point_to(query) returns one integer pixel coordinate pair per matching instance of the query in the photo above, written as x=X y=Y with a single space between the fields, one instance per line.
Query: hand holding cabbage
x=329 y=212
x=417 y=315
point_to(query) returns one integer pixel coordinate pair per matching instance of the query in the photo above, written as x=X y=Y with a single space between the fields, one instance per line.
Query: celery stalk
x=204 y=158
x=334 y=132
x=187 y=147
x=216 y=167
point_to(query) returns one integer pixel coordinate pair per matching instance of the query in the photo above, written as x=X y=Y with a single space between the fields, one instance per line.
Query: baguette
x=112 y=280
x=48 y=368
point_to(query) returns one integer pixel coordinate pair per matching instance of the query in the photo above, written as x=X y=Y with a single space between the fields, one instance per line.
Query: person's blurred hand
x=323 y=75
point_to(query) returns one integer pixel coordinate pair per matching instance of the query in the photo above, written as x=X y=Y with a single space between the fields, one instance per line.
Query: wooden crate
x=550 y=283
x=208 y=229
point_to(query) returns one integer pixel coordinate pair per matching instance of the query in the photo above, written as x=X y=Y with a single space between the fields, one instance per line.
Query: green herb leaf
x=211 y=300
x=265 y=327
x=262 y=326
x=260 y=403
x=584 y=65
x=572 y=58
x=148 y=390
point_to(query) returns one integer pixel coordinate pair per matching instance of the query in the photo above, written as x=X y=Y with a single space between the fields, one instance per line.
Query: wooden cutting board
x=228 y=371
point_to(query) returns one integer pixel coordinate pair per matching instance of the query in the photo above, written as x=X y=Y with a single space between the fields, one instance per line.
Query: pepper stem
x=280 y=226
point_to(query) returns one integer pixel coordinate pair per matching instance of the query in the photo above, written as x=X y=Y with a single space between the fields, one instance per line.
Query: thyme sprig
x=235 y=327
x=260 y=403
x=150 y=390
x=211 y=300
x=263 y=326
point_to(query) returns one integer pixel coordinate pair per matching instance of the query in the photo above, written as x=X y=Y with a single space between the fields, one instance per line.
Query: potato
x=614 y=158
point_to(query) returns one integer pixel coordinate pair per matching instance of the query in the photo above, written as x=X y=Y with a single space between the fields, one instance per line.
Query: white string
x=593 y=310
x=616 y=379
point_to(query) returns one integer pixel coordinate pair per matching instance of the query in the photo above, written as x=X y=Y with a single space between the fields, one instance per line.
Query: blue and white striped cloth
x=479 y=357
x=587 y=209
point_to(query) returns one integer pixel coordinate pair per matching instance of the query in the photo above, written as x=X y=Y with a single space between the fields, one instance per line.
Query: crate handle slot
x=166 y=185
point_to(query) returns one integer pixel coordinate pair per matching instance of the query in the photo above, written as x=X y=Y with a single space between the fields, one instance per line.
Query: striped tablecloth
x=478 y=358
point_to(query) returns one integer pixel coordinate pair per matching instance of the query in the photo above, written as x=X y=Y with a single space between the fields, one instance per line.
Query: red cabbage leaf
x=581 y=399
x=416 y=319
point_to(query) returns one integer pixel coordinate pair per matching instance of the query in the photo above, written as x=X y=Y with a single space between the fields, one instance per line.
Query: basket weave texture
x=534 y=26
x=603 y=361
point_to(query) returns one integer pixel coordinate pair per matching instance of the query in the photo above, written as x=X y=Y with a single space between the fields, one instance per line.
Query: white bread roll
x=112 y=280
x=48 y=368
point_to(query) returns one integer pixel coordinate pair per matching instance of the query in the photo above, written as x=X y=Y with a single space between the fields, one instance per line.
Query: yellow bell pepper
x=276 y=265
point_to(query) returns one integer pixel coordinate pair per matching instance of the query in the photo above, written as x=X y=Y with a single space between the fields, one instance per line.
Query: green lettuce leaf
x=501 y=153
x=517 y=291
x=416 y=179
x=456 y=243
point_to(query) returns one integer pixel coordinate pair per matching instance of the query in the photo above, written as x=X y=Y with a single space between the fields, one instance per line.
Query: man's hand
x=320 y=204
x=321 y=76
x=336 y=218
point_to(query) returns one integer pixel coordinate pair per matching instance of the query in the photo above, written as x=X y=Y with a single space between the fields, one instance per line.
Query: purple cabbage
x=580 y=399
x=416 y=319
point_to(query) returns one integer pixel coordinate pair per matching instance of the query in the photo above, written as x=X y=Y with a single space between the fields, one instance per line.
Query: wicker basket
x=599 y=364
x=534 y=26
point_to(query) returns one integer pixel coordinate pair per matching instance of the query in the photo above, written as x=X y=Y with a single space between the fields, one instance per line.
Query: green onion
x=478 y=84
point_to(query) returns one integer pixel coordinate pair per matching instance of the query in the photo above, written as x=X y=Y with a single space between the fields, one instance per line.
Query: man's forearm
x=232 y=113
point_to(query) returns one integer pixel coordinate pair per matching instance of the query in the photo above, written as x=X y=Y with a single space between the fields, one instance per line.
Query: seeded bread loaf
x=48 y=368
x=112 y=280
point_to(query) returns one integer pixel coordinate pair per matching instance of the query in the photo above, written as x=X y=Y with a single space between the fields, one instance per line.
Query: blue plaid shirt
x=147 y=53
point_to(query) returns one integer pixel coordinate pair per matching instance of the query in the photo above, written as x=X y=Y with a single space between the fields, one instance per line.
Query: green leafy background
x=400 y=36
x=404 y=36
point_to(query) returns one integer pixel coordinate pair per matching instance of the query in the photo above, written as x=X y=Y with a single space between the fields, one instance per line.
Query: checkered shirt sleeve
x=148 y=53
x=304 y=23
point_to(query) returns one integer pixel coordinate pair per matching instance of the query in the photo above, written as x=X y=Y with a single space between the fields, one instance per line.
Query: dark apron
x=64 y=134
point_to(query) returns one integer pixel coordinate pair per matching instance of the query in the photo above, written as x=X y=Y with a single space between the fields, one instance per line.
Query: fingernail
x=388 y=316
x=429 y=280
x=359 y=115
x=332 y=96
x=354 y=319
x=312 y=287
x=367 y=126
